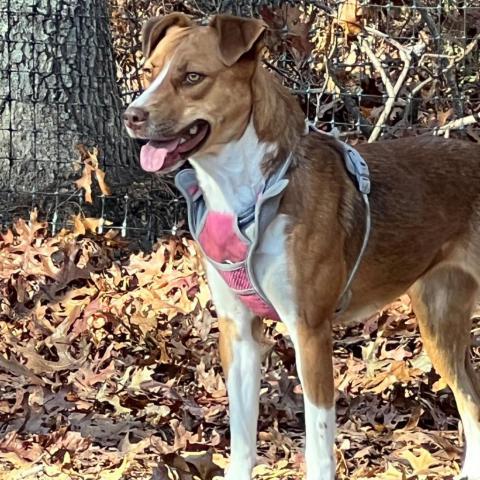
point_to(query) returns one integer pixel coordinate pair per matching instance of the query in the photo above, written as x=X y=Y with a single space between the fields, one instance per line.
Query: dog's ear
x=156 y=28
x=237 y=36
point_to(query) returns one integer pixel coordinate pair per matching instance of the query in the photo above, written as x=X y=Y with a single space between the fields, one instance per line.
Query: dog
x=281 y=223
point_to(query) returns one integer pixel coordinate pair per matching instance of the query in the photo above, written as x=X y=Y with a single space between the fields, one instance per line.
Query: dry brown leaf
x=420 y=461
x=149 y=366
x=348 y=17
x=90 y=168
x=104 y=188
x=85 y=182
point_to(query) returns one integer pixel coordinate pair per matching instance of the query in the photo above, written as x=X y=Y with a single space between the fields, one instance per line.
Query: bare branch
x=458 y=123
x=447 y=72
x=392 y=90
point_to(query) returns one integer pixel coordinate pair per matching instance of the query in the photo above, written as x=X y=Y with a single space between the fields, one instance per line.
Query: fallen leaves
x=109 y=370
x=83 y=317
x=90 y=169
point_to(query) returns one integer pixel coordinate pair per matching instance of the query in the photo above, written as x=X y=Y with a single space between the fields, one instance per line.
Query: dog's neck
x=232 y=179
x=277 y=117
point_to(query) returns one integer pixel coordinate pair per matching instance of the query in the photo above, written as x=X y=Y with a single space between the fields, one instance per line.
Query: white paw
x=468 y=476
x=470 y=470
x=321 y=476
x=234 y=472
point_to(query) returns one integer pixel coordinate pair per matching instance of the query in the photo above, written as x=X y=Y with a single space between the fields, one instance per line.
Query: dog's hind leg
x=240 y=334
x=443 y=300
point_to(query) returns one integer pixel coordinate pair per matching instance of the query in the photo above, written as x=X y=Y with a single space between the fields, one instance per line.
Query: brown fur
x=228 y=332
x=443 y=300
x=425 y=198
x=277 y=116
x=425 y=203
x=156 y=28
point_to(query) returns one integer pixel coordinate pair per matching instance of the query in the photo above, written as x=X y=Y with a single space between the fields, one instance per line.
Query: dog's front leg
x=240 y=355
x=313 y=346
x=312 y=340
x=307 y=310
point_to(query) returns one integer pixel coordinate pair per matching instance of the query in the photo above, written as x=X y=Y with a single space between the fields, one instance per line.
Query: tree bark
x=58 y=89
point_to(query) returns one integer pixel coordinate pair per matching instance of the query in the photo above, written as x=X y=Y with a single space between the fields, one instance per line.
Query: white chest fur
x=232 y=179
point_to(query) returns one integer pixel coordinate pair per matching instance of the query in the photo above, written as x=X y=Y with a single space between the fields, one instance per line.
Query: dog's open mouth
x=162 y=155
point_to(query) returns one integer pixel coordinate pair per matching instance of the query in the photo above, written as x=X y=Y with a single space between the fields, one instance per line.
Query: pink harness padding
x=237 y=279
x=231 y=253
x=256 y=304
x=219 y=239
x=221 y=236
x=221 y=242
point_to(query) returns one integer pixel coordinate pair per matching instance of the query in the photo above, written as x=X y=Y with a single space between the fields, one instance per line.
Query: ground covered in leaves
x=109 y=370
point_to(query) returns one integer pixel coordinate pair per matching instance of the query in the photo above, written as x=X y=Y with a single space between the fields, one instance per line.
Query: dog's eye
x=191 y=78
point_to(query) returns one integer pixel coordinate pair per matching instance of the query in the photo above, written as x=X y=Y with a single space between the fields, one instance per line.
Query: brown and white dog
x=209 y=100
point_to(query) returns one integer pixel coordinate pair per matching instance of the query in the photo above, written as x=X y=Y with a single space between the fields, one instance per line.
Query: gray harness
x=356 y=166
x=240 y=275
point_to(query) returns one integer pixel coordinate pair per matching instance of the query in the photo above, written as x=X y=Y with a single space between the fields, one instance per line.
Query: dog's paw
x=237 y=473
x=236 y=476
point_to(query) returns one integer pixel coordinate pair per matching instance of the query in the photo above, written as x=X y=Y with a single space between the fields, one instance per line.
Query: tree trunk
x=57 y=90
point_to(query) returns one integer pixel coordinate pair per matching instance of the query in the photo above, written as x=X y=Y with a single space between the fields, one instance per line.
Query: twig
x=392 y=90
x=322 y=109
x=378 y=33
x=365 y=47
x=458 y=123
x=351 y=106
x=469 y=47
x=448 y=74
x=453 y=60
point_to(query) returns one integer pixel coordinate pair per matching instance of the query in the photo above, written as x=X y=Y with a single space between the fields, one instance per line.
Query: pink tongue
x=153 y=157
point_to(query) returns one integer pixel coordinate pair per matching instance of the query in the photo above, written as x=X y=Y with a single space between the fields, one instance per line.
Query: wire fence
x=366 y=70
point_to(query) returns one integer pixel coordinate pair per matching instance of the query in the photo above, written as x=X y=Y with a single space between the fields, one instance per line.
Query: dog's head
x=197 y=82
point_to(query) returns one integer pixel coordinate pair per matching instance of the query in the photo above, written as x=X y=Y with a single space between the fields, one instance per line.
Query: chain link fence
x=365 y=70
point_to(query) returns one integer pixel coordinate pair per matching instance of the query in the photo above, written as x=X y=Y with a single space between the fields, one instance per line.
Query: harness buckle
x=357 y=166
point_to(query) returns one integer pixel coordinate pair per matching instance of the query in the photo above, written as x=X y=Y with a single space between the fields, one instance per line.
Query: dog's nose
x=135 y=117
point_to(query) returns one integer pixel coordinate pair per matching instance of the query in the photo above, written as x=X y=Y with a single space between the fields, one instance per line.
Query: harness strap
x=266 y=206
x=239 y=275
x=247 y=217
x=358 y=168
